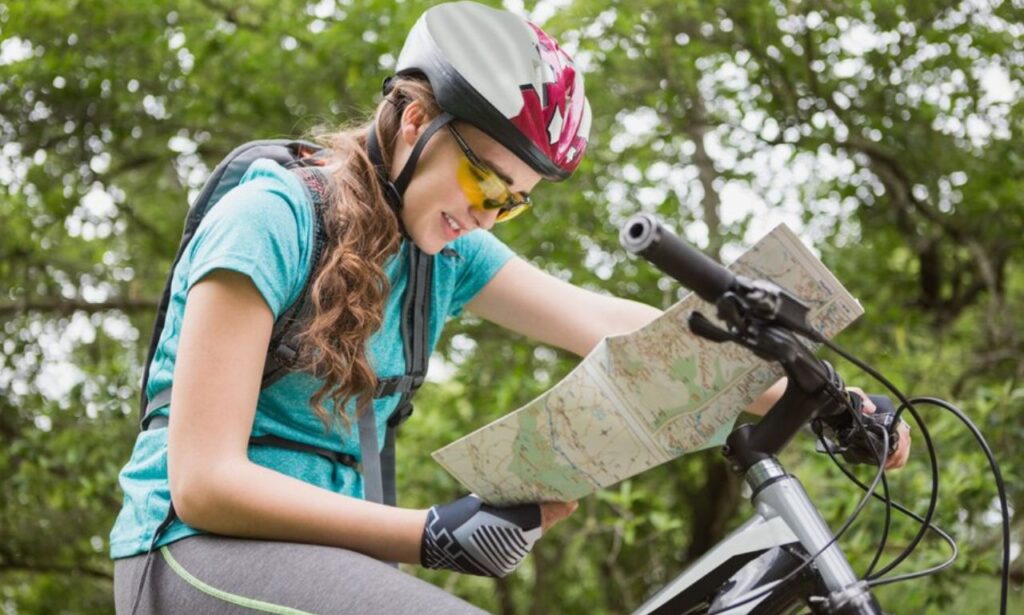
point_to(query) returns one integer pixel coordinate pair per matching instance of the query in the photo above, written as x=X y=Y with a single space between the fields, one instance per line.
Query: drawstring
x=142 y=579
x=149 y=556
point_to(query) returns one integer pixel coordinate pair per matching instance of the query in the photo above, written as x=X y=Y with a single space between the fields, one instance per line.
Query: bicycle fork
x=777 y=494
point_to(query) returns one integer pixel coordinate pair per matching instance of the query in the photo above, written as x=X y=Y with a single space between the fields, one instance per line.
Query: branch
x=696 y=128
x=809 y=57
x=720 y=496
x=779 y=139
x=506 y=606
x=131 y=164
x=541 y=574
x=237 y=18
x=229 y=14
x=166 y=242
x=773 y=71
x=883 y=159
x=70 y=306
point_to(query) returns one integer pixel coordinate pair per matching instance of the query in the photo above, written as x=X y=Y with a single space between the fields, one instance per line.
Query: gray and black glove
x=471 y=537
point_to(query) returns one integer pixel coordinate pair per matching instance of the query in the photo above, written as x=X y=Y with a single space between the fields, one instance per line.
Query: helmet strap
x=402 y=182
x=391 y=194
x=395 y=190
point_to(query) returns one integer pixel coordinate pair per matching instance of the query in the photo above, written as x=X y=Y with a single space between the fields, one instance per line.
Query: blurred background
x=886 y=133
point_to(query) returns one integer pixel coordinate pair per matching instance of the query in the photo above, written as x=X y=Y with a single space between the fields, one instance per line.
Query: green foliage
x=888 y=133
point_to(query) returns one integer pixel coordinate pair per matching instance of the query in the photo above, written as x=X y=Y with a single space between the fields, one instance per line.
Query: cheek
x=432 y=194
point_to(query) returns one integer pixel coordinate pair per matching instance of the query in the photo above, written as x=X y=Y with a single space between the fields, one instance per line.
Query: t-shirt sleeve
x=482 y=255
x=253 y=230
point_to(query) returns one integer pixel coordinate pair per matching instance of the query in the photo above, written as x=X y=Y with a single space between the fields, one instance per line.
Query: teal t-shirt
x=263 y=228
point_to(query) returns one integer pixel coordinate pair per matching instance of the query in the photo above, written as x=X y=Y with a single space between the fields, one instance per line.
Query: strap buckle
x=400 y=415
x=404 y=384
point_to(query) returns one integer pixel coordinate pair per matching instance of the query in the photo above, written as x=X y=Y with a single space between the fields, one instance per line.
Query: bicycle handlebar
x=840 y=435
x=815 y=390
x=644 y=236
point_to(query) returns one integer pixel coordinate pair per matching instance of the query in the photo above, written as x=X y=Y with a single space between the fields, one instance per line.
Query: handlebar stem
x=813 y=389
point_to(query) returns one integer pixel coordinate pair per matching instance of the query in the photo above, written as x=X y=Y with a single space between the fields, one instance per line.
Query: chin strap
x=395 y=190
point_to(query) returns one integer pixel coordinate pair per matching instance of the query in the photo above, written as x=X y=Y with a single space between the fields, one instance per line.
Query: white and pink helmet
x=505 y=76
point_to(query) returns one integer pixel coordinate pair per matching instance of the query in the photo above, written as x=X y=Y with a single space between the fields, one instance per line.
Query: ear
x=414 y=120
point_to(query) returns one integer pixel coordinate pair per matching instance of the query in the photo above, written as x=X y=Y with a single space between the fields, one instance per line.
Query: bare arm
x=527 y=300
x=214 y=486
x=540 y=306
x=766 y=400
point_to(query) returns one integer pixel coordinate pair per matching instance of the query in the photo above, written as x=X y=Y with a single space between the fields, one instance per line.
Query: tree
x=888 y=133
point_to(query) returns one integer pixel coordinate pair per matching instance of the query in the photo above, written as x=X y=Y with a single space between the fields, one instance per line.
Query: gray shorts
x=216 y=574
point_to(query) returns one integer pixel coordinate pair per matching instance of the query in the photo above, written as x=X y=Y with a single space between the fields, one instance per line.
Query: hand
x=899 y=458
x=476 y=538
x=553 y=512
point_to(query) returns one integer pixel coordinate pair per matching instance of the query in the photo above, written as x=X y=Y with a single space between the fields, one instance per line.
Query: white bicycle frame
x=785 y=517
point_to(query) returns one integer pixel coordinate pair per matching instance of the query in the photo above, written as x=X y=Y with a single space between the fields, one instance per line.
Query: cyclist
x=482 y=107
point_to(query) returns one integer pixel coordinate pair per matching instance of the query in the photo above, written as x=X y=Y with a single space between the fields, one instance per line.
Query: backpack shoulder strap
x=416 y=346
x=284 y=347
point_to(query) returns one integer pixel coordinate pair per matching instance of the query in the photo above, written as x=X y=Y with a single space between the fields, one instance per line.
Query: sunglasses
x=484 y=188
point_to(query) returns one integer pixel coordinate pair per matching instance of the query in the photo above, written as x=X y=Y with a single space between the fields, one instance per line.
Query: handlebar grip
x=645 y=236
x=863 y=446
x=883 y=405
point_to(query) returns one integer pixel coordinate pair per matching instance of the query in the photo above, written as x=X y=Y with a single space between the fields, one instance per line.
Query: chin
x=429 y=245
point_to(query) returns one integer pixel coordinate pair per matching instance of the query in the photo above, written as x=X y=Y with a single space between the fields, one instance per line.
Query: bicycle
x=786 y=557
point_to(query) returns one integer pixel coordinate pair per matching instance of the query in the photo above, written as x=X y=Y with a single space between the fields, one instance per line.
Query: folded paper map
x=642 y=398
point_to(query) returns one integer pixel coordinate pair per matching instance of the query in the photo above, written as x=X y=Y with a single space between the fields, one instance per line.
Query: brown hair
x=350 y=287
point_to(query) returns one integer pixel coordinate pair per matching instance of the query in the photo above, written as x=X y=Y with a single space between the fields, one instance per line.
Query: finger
x=566 y=508
x=905 y=441
x=902 y=454
x=553 y=512
x=867 y=406
x=896 y=461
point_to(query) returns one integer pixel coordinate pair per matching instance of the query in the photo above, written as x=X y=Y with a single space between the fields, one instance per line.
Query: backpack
x=303 y=158
x=378 y=466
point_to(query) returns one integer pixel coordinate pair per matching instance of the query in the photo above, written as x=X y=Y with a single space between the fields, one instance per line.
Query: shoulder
x=263 y=227
x=269 y=194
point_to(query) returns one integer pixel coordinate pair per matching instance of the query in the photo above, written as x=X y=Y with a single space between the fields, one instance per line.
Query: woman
x=484 y=105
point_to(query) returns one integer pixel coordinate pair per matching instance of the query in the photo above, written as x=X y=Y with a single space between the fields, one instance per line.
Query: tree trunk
x=697 y=128
x=721 y=493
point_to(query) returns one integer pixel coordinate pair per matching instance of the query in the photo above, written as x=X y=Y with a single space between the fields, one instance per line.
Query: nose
x=485 y=218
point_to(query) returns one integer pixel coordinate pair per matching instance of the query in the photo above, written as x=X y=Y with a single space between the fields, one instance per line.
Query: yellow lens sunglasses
x=483 y=188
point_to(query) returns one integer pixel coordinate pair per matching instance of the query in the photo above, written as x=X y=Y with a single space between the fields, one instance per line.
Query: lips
x=450 y=231
x=465 y=226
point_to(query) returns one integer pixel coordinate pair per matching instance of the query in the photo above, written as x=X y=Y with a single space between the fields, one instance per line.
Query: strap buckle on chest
x=405 y=384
